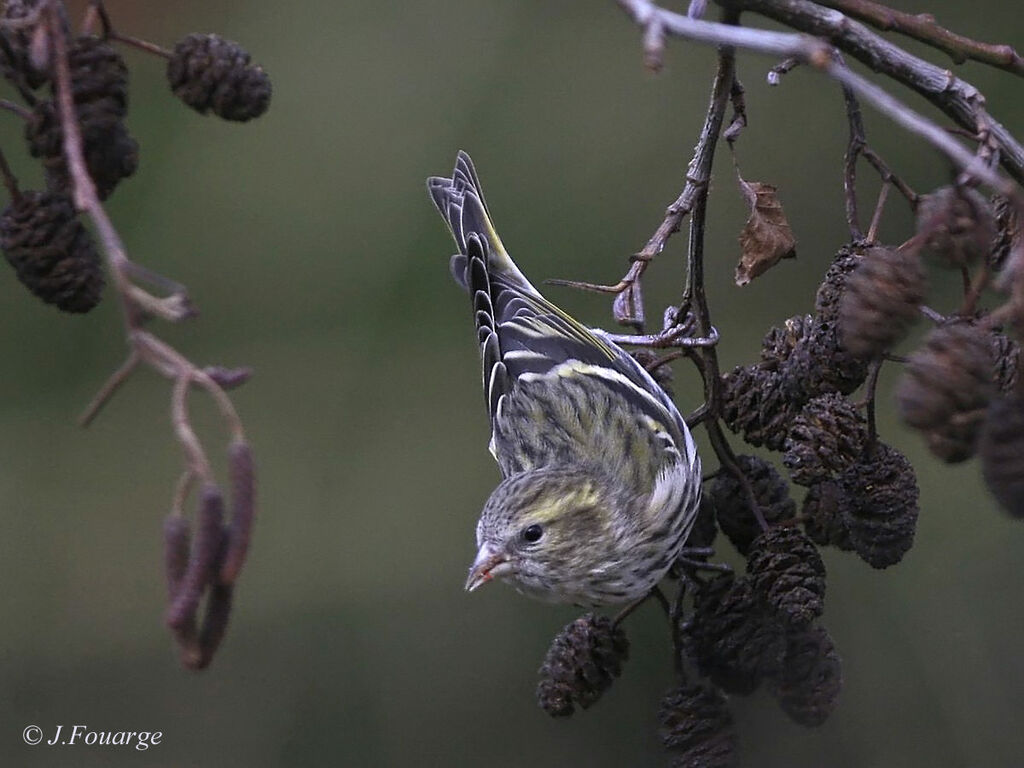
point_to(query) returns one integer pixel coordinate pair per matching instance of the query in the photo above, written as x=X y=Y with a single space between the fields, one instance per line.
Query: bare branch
x=923 y=27
x=917 y=73
x=957 y=98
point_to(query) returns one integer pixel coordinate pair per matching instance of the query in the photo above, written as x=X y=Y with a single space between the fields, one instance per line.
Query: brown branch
x=854 y=147
x=819 y=54
x=16 y=109
x=694 y=295
x=876 y=162
x=784 y=67
x=10 y=181
x=924 y=28
x=117 y=378
x=142 y=45
x=186 y=585
x=876 y=217
x=136 y=303
x=957 y=98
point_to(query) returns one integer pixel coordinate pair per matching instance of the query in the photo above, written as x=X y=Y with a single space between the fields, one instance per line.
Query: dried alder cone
x=822 y=515
x=1002 y=452
x=786 y=570
x=880 y=505
x=99 y=87
x=824 y=439
x=584 y=659
x=958 y=225
x=811 y=679
x=697 y=727
x=212 y=74
x=733 y=638
x=52 y=253
x=732 y=507
x=946 y=388
x=881 y=301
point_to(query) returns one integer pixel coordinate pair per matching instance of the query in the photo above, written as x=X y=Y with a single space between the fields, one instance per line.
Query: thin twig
x=876 y=162
x=10 y=181
x=784 y=67
x=112 y=384
x=142 y=45
x=694 y=295
x=195 y=455
x=876 y=217
x=869 y=396
x=17 y=109
x=854 y=146
x=936 y=317
x=97 y=11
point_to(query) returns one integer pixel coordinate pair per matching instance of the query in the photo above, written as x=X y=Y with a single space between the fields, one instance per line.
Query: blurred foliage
x=310 y=246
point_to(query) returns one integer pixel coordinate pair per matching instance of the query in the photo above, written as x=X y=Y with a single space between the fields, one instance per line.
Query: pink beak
x=488 y=565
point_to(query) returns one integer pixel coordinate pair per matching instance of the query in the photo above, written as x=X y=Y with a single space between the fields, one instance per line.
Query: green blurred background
x=309 y=244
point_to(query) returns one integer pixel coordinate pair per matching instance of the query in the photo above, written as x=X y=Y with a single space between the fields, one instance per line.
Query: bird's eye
x=532 y=533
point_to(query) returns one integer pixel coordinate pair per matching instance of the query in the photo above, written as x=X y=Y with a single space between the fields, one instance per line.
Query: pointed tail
x=460 y=201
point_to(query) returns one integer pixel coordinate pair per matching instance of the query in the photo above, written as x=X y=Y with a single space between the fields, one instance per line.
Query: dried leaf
x=766 y=237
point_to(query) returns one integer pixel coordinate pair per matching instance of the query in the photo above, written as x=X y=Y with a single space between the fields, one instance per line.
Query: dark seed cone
x=583 y=660
x=52 y=253
x=812 y=677
x=98 y=74
x=785 y=568
x=779 y=343
x=732 y=507
x=825 y=438
x=1002 y=452
x=755 y=405
x=731 y=637
x=111 y=154
x=881 y=301
x=945 y=388
x=958 y=225
x=880 y=505
x=705 y=529
x=822 y=516
x=819 y=365
x=696 y=724
x=1006 y=353
x=833 y=285
x=210 y=73
x=99 y=87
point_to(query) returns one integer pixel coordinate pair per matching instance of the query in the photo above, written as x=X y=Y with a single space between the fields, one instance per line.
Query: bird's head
x=550 y=532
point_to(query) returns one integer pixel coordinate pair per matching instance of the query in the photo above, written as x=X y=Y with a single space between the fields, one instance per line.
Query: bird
x=601 y=480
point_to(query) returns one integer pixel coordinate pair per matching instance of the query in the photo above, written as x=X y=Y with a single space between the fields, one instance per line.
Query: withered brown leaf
x=766 y=237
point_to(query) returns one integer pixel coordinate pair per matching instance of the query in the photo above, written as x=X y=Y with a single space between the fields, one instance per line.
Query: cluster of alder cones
x=51 y=252
x=54 y=255
x=959 y=389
